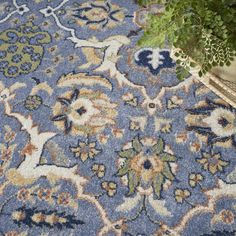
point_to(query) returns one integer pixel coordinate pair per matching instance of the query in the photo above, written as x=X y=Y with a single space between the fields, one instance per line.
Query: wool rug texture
x=98 y=136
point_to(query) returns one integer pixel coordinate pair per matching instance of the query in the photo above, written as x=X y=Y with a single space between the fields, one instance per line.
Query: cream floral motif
x=99 y=14
x=84 y=112
x=85 y=150
x=214 y=122
x=212 y=162
x=222 y=122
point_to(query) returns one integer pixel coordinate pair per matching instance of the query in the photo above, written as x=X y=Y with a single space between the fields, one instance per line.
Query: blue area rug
x=97 y=135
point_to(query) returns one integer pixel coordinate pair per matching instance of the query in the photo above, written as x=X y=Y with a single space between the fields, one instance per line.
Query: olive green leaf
x=167 y=157
x=157 y=184
x=133 y=182
x=137 y=145
x=128 y=153
x=123 y=170
x=158 y=148
x=167 y=172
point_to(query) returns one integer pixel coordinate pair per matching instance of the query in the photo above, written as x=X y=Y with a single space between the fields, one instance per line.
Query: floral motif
x=130 y=99
x=44 y=194
x=97 y=15
x=99 y=170
x=174 y=102
x=63 y=198
x=138 y=123
x=215 y=121
x=23 y=194
x=146 y=166
x=9 y=135
x=195 y=179
x=33 y=102
x=227 y=216
x=83 y=112
x=181 y=195
x=109 y=187
x=22 y=49
x=85 y=150
x=212 y=162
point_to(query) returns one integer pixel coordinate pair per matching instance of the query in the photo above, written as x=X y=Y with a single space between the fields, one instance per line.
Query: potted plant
x=202 y=35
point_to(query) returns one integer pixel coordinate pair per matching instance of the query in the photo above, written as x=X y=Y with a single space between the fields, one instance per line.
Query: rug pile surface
x=98 y=136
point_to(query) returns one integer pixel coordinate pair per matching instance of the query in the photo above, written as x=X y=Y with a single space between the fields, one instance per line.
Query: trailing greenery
x=203 y=30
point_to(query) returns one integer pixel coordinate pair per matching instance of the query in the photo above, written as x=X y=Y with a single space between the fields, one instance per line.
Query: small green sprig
x=203 y=31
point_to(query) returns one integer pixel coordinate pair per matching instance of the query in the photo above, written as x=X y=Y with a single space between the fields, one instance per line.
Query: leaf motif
x=159 y=206
x=129 y=203
x=42 y=87
x=137 y=145
x=167 y=172
x=167 y=157
x=71 y=80
x=157 y=184
x=16 y=86
x=123 y=170
x=128 y=153
x=58 y=117
x=158 y=148
x=133 y=182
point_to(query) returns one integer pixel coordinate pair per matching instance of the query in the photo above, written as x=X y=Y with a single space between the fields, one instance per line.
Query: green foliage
x=146 y=2
x=204 y=31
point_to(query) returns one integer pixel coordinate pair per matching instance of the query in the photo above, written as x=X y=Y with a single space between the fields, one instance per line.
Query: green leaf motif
x=158 y=148
x=167 y=172
x=123 y=170
x=157 y=184
x=167 y=157
x=128 y=153
x=133 y=182
x=137 y=145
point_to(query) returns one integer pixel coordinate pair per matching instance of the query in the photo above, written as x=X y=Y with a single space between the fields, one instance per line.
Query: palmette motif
x=98 y=137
